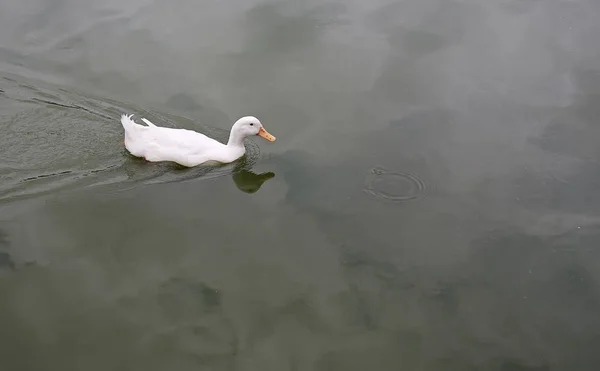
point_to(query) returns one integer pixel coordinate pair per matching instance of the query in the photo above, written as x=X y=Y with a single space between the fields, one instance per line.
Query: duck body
x=187 y=147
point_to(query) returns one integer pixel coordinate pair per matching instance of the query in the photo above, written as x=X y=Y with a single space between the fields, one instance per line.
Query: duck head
x=248 y=126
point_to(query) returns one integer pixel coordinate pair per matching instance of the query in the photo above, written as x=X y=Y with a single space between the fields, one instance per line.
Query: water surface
x=431 y=202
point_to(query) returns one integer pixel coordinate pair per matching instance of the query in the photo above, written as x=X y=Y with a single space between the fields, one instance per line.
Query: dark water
x=432 y=201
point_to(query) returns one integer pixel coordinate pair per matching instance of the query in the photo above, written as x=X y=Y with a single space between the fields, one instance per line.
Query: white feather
x=187 y=147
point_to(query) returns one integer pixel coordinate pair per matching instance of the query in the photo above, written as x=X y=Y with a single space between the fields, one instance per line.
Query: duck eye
x=251 y=124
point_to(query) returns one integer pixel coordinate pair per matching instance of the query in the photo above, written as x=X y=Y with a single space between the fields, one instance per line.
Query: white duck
x=187 y=147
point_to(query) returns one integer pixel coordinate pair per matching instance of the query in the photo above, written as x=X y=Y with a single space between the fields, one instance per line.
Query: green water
x=431 y=201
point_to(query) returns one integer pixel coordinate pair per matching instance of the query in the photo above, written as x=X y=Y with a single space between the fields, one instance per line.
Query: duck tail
x=148 y=123
x=128 y=124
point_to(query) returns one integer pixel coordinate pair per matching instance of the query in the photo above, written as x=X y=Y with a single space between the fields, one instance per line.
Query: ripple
x=394 y=186
x=58 y=140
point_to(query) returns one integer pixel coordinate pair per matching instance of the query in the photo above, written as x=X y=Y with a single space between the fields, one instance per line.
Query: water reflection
x=430 y=101
x=133 y=173
x=6 y=261
x=250 y=182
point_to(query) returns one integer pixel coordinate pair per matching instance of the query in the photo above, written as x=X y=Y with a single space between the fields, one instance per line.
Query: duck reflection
x=250 y=182
x=135 y=173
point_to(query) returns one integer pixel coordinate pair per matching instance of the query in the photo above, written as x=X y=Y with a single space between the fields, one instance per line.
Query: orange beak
x=266 y=135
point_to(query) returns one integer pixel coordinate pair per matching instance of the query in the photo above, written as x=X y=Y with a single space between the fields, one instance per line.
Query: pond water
x=431 y=201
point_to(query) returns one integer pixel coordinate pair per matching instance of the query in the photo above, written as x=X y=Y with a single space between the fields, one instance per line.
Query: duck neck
x=235 y=139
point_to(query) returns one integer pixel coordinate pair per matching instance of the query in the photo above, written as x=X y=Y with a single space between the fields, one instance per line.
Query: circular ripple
x=394 y=186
